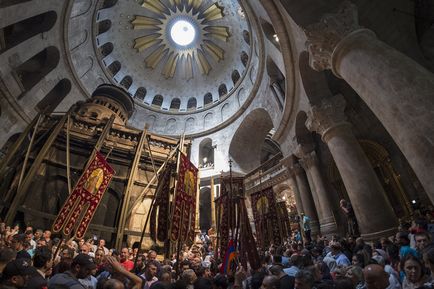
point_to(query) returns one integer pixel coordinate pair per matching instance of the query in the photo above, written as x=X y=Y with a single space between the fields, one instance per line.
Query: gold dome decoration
x=160 y=46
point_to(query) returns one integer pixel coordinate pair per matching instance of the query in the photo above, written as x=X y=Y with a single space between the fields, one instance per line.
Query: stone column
x=325 y=213
x=398 y=90
x=373 y=211
x=288 y=162
x=212 y=198
x=306 y=197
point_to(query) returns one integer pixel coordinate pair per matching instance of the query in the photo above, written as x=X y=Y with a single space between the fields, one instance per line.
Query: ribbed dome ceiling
x=138 y=51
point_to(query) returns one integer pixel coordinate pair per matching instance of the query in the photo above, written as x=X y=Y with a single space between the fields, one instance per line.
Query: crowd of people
x=403 y=261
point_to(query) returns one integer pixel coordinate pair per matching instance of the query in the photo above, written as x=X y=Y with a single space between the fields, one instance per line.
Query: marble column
x=306 y=197
x=309 y=161
x=373 y=211
x=212 y=198
x=398 y=90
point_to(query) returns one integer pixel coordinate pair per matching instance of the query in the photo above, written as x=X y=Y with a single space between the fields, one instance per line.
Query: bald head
x=270 y=282
x=375 y=277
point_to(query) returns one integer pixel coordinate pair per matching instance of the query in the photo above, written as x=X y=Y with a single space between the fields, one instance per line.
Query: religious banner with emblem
x=159 y=226
x=248 y=250
x=266 y=218
x=227 y=209
x=184 y=208
x=79 y=208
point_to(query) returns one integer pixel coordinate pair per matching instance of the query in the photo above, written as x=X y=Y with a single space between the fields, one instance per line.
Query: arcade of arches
x=321 y=100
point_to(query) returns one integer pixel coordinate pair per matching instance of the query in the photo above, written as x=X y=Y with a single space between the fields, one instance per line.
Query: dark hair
x=7 y=254
x=306 y=276
x=65 y=265
x=256 y=280
x=152 y=262
x=221 y=281
x=343 y=283
x=42 y=256
x=409 y=257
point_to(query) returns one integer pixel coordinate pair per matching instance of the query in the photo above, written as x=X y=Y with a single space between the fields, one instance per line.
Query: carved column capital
x=309 y=160
x=327 y=117
x=324 y=36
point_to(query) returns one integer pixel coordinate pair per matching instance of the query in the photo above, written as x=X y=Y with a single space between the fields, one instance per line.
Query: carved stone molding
x=327 y=117
x=324 y=36
x=309 y=160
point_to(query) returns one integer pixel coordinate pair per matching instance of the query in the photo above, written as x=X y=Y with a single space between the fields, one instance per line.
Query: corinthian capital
x=327 y=116
x=324 y=36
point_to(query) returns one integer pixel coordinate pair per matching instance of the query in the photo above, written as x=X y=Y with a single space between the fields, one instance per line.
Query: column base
x=328 y=228
x=314 y=227
x=379 y=234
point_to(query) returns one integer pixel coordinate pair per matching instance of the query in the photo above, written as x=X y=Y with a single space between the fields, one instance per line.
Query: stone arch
x=49 y=103
x=104 y=26
x=244 y=58
x=158 y=101
x=36 y=68
x=19 y=32
x=246 y=36
x=189 y=124
x=235 y=76
x=270 y=33
x=205 y=208
x=245 y=147
x=114 y=67
x=314 y=83
x=223 y=90
x=207 y=98
x=206 y=153
x=150 y=120
x=207 y=120
x=140 y=93
x=225 y=111
x=277 y=82
x=126 y=82
x=170 y=126
x=106 y=49
x=191 y=103
x=175 y=104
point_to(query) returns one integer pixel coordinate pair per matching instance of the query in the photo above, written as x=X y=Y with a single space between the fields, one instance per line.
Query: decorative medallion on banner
x=79 y=208
x=183 y=218
x=266 y=218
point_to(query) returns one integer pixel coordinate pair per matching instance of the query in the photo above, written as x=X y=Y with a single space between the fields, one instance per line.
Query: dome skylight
x=182 y=32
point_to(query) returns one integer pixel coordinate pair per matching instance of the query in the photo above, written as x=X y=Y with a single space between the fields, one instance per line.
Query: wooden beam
x=128 y=190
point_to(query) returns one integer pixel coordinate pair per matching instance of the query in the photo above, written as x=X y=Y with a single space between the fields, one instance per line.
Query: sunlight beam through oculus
x=182 y=32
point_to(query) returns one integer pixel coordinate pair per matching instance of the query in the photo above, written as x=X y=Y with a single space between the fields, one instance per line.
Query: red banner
x=81 y=205
x=266 y=218
x=183 y=218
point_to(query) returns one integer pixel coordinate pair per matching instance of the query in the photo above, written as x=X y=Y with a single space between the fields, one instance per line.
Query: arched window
x=49 y=103
x=140 y=93
x=207 y=99
x=106 y=49
x=175 y=104
x=222 y=90
x=18 y=32
x=104 y=26
x=246 y=36
x=114 y=67
x=206 y=154
x=126 y=82
x=157 y=101
x=244 y=58
x=270 y=33
x=191 y=104
x=235 y=76
x=36 y=68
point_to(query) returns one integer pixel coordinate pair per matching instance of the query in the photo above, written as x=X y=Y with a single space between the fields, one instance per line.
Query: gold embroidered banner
x=81 y=205
x=183 y=218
